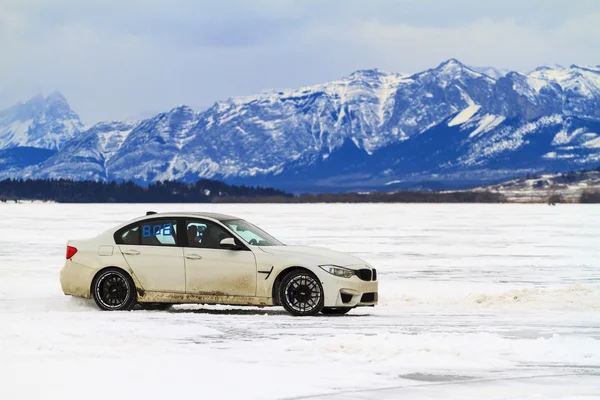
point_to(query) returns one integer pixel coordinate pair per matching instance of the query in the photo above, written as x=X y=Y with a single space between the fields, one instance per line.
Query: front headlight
x=338 y=271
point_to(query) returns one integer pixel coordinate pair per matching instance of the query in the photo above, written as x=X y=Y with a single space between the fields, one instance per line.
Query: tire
x=336 y=310
x=113 y=290
x=301 y=293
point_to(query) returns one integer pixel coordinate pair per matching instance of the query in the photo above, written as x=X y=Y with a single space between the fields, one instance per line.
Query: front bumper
x=348 y=292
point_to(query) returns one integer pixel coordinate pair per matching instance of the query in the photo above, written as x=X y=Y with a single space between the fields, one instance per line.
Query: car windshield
x=251 y=234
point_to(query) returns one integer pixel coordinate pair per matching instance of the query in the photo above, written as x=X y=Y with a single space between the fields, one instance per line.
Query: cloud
x=116 y=59
x=484 y=42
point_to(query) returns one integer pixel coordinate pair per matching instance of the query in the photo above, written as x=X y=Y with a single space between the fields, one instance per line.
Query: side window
x=160 y=232
x=205 y=234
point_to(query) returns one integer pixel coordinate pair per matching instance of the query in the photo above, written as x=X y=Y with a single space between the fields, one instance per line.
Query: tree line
x=70 y=191
x=590 y=196
x=211 y=191
x=383 y=197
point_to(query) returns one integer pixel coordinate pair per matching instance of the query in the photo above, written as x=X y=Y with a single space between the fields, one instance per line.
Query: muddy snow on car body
x=476 y=301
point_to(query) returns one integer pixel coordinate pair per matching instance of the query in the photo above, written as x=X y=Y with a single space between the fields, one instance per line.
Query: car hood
x=318 y=255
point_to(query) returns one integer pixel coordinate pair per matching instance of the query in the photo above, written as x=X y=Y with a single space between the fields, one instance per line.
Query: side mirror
x=228 y=243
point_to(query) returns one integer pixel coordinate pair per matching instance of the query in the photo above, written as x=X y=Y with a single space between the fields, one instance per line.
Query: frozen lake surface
x=476 y=302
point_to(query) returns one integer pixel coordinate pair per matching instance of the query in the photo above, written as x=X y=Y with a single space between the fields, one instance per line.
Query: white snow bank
x=573 y=297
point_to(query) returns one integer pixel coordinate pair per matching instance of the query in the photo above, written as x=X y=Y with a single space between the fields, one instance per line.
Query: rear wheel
x=336 y=310
x=113 y=290
x=301 y=293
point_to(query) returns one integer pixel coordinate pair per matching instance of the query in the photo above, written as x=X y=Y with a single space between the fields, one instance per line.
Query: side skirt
x=202 y=298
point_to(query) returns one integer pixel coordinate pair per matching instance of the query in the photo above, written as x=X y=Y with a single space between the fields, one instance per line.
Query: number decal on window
x=156 y=230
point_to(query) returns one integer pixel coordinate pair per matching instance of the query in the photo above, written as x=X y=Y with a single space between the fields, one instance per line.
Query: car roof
x=217 y=216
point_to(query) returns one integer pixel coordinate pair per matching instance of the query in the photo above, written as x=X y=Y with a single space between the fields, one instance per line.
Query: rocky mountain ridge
x=450 y=125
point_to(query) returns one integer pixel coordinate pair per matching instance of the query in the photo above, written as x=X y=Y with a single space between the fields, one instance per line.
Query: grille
x=364 y=274
x=367 y=274
x=368 y=297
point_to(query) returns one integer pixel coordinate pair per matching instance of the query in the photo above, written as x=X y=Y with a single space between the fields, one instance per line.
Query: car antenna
x=150 y=212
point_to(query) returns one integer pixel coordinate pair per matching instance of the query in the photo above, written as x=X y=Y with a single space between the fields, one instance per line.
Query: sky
x=128 y=59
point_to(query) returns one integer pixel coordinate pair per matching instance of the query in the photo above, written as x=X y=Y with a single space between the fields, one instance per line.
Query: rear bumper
x=352 y=292
x=76 y=279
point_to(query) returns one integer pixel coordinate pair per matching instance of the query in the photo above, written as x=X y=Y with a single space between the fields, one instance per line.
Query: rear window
x=129 y=236
x=161 y=232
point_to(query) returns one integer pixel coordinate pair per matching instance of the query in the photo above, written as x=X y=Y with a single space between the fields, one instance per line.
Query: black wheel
x=301 y=293
x=336 y=310
x=113 y=289
x=155 y=306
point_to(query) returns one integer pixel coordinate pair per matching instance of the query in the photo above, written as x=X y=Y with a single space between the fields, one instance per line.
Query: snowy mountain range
x=450 y=126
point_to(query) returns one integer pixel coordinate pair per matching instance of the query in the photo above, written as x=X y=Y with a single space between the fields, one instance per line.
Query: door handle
x=131 y=252
x=193 y=256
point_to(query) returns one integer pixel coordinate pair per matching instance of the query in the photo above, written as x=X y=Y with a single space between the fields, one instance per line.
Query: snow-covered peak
x=44 y=122
x=372 y=85
x=370 y=76
x=454 y=67
x=56 y=97
x=580 y=81
x=492 y=72
x=548 y=67
x=532 y=87
x=265 y=95
x=452 y=70
x=552 y=74
x=170 y=128
x=370 y=90
x=182 y=109
x=367 y=78
x=451 y=63
x=366 y=73
x=168 y=122
x=39 y=102
x=528 y=83
x=37 y=106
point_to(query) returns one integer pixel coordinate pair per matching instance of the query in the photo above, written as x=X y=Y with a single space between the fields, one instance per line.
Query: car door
x=151 y=250
x=213 y=270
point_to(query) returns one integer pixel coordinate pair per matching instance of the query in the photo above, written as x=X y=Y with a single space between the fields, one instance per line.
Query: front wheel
x=336 y=310
x=113 y=290
x=301 y=293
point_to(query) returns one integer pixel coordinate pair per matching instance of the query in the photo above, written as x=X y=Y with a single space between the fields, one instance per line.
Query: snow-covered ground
x=477 y=302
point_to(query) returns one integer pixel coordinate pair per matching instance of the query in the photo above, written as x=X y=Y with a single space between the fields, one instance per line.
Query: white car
x=174 y=258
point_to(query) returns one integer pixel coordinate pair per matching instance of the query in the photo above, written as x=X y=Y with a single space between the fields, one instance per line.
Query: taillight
x=71 y=252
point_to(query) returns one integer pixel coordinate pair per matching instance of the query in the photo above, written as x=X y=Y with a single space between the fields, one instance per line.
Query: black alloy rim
x=113 y=290
x=303 y=293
